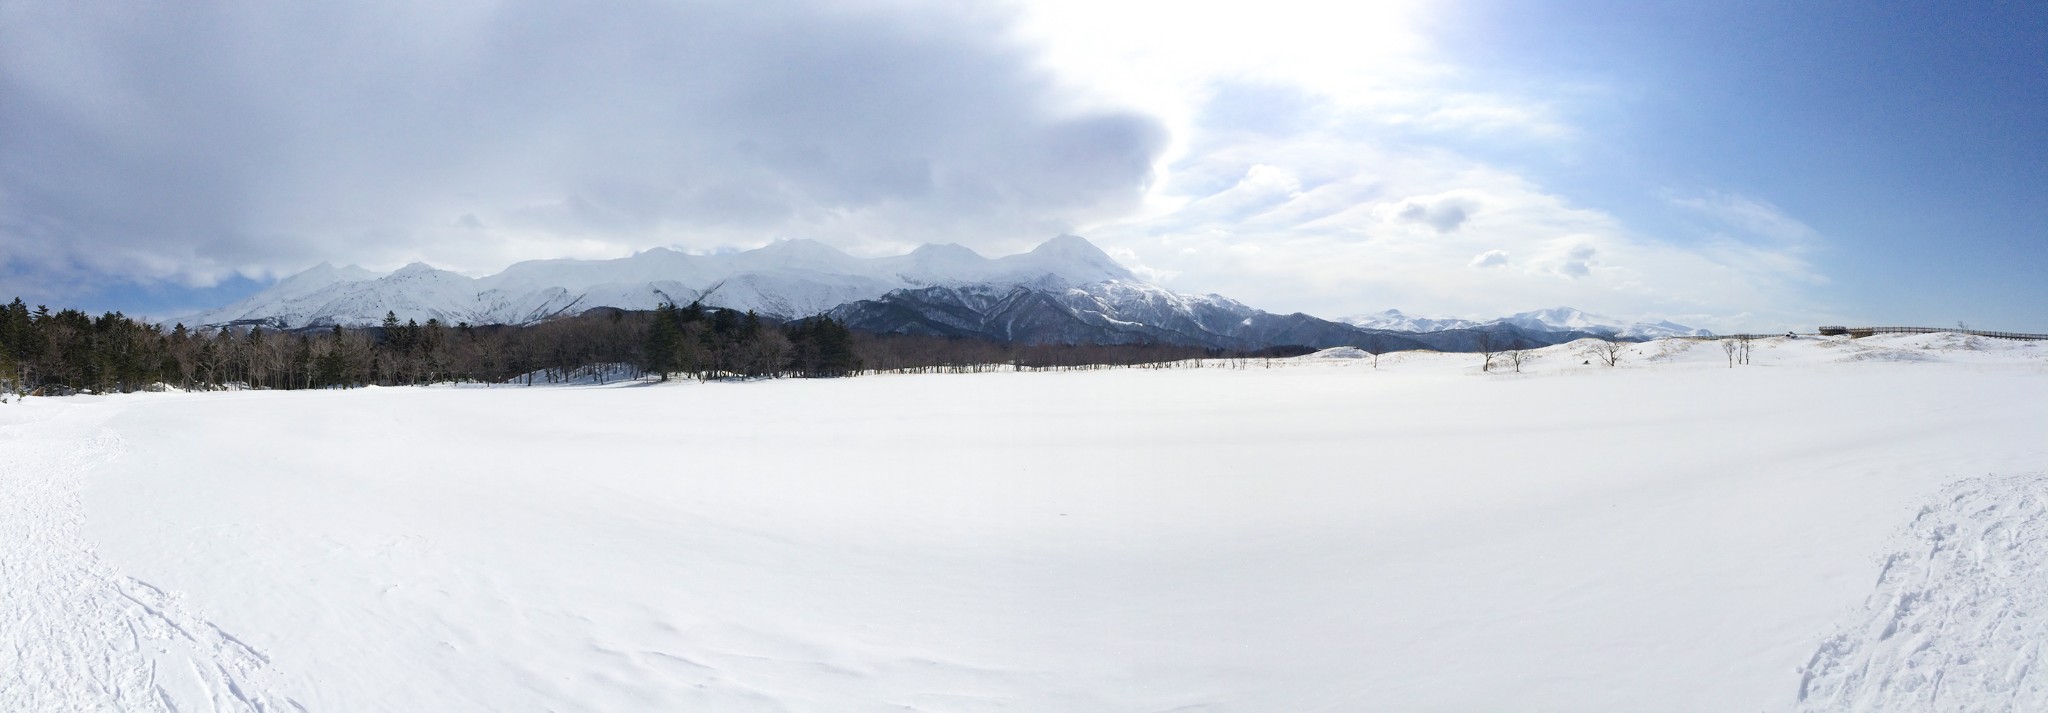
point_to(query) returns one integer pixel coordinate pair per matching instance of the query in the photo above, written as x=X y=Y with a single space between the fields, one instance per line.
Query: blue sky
x=1915 y=138
x=1730 y=165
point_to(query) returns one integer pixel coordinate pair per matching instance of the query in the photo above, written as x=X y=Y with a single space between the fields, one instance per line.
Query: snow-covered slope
x=1566 y=319
x=790 y=278
x=1065 y=290
x=1105 y=312
x=1395 y=320
x=1556 y=319
x=1817 y=531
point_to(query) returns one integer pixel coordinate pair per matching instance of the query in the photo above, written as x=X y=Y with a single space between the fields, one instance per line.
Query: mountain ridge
x=1552 y=319
x=1114 y=312
x=787 y=279
x=1063 y=290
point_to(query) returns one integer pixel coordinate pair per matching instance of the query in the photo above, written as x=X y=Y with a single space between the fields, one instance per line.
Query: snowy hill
x=791 y=278
x=1556 y=319
x=1843 y=526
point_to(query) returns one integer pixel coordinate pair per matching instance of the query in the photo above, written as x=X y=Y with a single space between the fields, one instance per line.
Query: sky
x=1731 y=165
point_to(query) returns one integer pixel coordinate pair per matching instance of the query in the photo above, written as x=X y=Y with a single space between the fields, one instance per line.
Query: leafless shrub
x=1608 y=351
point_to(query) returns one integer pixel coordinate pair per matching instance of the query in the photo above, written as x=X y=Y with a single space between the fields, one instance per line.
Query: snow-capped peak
x=417 y=269
x=796 y=253
x=786 y=278
x=321 y=276
x=946 y=251
x=1075 y=250
x=1555 y=319
x=1562 y=319
x=1394 y=320
x=1567 y=319
x=1071 y=258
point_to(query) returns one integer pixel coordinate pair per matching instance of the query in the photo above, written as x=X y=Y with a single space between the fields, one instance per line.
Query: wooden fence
x=1868 y=331
x=1859 y=332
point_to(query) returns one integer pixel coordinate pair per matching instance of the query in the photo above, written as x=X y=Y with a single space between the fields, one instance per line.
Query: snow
x=1397 y=321
x=596 y=374
x=1336 y=353
x=80 y=635
x=1670 y=534
x=1569 y=319
x=1555 y=319
x=786 y=278
x=1965 y=582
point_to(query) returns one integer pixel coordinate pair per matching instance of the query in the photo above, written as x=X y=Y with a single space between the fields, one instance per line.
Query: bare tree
x=1608 y=351
x=1728 y=347
x=1487 y=348
x=1518 y=354
x=1743 y=341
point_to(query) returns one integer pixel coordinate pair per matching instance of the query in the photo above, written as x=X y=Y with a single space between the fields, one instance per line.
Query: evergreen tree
x=664 y=336
x=835 y=349
x=822 y=347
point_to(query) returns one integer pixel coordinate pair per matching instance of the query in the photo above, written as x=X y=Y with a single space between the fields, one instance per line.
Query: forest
x=44 y=352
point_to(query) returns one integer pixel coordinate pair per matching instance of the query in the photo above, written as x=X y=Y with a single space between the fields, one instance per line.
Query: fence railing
x=1719 y=337
x=1869 y=331
x=1859 y=332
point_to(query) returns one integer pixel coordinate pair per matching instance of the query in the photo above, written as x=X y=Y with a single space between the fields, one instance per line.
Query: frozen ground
x=1839 y=526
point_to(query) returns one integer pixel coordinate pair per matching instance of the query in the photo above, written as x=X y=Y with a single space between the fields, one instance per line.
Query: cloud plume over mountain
x=190 y=142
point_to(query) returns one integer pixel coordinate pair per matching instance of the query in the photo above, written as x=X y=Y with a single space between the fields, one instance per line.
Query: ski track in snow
x=1958 y=619
x=77 y=636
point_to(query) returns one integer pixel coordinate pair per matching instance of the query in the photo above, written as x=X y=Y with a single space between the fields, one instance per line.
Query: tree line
x=69 y=351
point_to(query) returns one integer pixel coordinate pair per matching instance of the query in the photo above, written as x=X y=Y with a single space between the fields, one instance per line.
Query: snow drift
x=1670 y=534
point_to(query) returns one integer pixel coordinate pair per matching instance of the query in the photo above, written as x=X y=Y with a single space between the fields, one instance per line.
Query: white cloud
x=1475 y=113
x=1369 y=64
x=1749 y=217
x=1330 y=175
x=1490 y=258
x=1261 y=189
x=474 y=135
x=1444 y=214
x=1341 y=244
x=1295 y=154
x=1578 y=262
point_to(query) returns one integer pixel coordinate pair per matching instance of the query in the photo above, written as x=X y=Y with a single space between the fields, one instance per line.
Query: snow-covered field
x=1838 y=526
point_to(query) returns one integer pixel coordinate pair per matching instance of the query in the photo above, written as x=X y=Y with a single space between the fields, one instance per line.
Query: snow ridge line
x=1958 y=618
x=77 y=635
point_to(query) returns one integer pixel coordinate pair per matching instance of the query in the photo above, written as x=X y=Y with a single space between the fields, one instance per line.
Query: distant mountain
x=1566 y=318
x=1109 y=312
x=1556 y=319
x=1063 y=291
x=786 y=279
x=1394 y=320
x=1117 y=312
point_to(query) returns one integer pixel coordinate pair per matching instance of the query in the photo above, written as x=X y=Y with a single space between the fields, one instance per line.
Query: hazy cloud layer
x=186 y=142
x=1308 y=156
x=1335 y=224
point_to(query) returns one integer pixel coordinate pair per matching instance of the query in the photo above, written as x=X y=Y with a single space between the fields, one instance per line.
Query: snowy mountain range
x=1112 y=312
x=1065 y=290
x=786 y=279
x=1556 y=319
